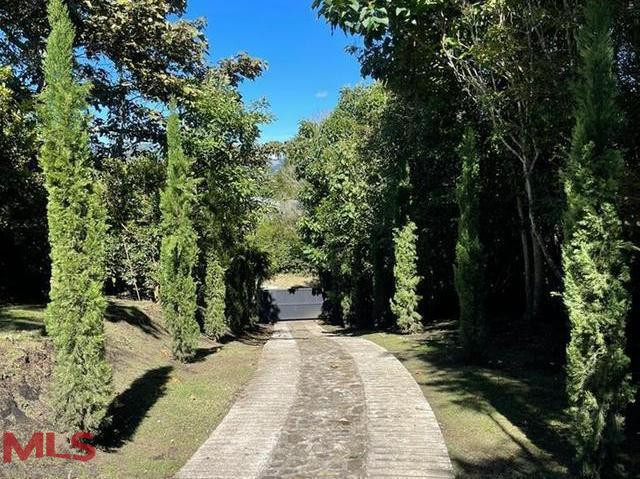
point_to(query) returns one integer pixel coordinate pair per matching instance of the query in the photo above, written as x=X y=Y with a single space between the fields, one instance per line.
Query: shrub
x=404 y=303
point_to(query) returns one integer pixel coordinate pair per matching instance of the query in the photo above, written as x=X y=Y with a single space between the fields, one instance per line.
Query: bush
x=404 y=303
x=248 y=268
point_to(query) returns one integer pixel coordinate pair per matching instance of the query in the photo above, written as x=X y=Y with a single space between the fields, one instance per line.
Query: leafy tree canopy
x=113 y=39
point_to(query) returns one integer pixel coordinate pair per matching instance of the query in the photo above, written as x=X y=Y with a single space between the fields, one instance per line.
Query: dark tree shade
x=469 y=254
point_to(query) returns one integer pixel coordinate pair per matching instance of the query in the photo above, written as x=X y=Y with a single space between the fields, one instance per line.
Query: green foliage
x=24 y=252
x=402 y=49
x=598 y=377
x=404 y=303
x=179 y=250
x=77 y=227
x=133 y=206
x=469 y=265
x=241 y=67
x=368 y=18
x=284 y=184
x=277 y=231
x=221 y=136
x=511 y=59
x=508 y=66
x=402 y=44
x=134 y=54
x=344 y=192
x=596 y=270
x=363 y=171
x=248 y=268
x=215 y=323
x=277 y=234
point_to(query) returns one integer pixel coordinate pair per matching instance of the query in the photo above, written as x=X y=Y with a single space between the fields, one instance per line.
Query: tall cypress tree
x=469 y=254
x=179 y=250
x=404 y=303
x=77 y=228
x=598 y=379
x=215 y=323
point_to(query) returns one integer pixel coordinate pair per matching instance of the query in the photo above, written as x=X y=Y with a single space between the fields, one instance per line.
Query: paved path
x=324 y=406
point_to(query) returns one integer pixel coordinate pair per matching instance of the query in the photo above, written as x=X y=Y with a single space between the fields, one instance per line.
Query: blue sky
x=308 y=64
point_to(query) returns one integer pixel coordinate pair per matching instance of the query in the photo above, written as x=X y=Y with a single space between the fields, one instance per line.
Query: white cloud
x=322 y=94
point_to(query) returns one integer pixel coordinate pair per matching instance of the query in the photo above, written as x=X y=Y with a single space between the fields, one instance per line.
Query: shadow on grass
x=502 y=468
x=134 y=317
x=517 y=382
x=130 y=408
x=22 y=318
x=254 y=336
x=202 y=354
x=531 y=398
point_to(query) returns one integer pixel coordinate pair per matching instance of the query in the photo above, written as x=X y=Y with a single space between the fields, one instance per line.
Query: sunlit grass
x=496 y=423
x=162 y=410
x=23 y=318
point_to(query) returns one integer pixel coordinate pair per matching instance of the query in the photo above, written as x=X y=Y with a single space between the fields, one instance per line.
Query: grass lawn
x=162 y=412
x=505 y=420
x=290 y=280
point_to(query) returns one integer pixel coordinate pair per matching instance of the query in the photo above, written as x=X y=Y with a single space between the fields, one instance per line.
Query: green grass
x=502 y=421
x=192 y=402
x=163 y=410
x=506 y=419
x=24 y=318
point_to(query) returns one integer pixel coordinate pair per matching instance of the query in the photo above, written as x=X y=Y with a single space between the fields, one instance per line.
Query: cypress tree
x=469 y=254
x=598 y=378
x=215 y=323
x=179 y=249
x=404 y=303
x=77 y=228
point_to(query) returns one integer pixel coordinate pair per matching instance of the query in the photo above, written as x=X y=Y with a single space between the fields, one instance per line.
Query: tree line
x=127 y=170
x=492 y=165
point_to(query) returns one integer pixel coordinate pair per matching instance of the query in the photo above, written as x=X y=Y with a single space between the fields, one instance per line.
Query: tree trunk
x=130 y=264
x=526 y=260
x=538 y=277
x=131 y=271
x=536 y=249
